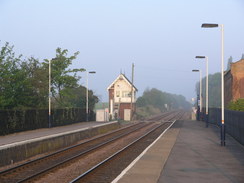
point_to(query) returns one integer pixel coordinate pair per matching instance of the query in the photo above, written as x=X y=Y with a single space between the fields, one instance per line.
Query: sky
x=161 y=37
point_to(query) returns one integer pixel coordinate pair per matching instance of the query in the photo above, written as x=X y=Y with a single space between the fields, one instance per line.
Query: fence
x=12 y=121
x=234 y=122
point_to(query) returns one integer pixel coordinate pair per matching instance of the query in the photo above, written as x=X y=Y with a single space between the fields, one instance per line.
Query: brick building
x=120 y=98
x=234 y=82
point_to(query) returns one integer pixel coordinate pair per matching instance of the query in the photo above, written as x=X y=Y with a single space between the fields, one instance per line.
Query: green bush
x=237 y=105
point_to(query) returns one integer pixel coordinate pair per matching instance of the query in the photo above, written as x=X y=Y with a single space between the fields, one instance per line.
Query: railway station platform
x=23 y=137
x=31 y=143
x=188 y=152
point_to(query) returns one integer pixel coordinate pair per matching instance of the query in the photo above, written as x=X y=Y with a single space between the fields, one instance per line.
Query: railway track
x=168 y=116
x=36 y=169
x=121 y=158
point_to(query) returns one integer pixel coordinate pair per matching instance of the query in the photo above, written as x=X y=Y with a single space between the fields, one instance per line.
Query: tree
x=158 y=99
x=62 y=76
x=38 y=82
x=140 y=102
x=24 y=83
x=13 y=82
x=76 y=97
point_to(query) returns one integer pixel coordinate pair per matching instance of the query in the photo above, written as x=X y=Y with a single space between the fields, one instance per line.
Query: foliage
x=37 y=82
x=61 y=78
x=161 y=100
x=144 y=112
x=14 y=84
x=101 y=105
x=76 y=97
x=24 y=82
x=237 y=105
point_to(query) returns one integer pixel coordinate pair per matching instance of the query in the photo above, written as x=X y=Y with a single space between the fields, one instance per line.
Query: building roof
x=238 y=62
x=124 y=78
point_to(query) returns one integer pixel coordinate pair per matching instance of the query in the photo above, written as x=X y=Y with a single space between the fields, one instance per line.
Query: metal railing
x=234 y=122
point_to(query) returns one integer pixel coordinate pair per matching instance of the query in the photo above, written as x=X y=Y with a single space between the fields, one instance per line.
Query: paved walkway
x=189 y=152
x=39 y=133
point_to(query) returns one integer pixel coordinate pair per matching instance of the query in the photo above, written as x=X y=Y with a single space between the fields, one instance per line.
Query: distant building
x=120 y=98
x=234 y=82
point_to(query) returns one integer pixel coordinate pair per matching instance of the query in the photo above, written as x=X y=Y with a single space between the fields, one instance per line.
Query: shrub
x=237 y=105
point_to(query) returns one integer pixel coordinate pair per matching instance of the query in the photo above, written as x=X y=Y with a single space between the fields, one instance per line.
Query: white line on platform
x=139 y=157
x=48 y=136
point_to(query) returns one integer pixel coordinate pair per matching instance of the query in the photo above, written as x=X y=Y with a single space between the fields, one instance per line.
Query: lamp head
x=200 y=57
x=92 y=72
x=207 y=25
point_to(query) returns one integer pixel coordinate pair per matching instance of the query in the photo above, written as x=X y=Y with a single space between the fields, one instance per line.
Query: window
x=126 y=94
x=117 y=93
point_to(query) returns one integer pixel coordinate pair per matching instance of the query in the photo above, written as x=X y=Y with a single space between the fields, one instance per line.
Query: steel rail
x=44 y=171
x=158 y=117
x=77 y=179
x=39 y=160
x=164 y=115
x=178 y=115
x=14 y=169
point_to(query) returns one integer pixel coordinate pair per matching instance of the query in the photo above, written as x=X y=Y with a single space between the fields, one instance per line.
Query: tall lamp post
x=87 y=106
x=50 y=94
x=206 y=87
x=200 y=88
x=222 y=132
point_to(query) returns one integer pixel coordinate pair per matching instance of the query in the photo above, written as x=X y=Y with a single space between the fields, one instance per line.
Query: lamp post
x=49 y=94
x=206 y=87
x=200 y=88
x=91 y=72
x=222 y=132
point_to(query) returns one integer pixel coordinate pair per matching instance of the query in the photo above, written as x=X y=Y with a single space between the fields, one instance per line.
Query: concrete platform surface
x=189 y=152
x=45 y=132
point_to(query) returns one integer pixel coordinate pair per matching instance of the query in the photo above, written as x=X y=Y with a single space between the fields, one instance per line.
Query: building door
x=127 y=114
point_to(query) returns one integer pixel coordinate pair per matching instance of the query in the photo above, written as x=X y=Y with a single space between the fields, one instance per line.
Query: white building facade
x=122 y=98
